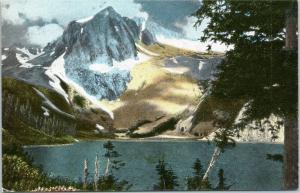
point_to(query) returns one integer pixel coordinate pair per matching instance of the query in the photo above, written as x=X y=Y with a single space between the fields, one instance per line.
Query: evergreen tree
x=112 y=155
x=108 y=182
x=167 y=178
x=196 y=182
x=262 y=67
x=111 y=183
x=198 y=170
x=221 y=184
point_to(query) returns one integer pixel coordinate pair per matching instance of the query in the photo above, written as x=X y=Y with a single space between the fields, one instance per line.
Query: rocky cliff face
x=105 y=41
x=96 y=52
x=100 y=41
x=147 y=38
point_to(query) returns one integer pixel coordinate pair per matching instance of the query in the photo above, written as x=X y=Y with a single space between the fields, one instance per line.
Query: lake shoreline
x=159 y=138
x=141 y=157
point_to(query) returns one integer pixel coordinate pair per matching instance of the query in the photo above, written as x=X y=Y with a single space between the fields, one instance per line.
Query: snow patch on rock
x=23 y=60
x=3 y=57
x=195 y=46
x=99 y=127
x=84 y=20
x=24 y=56
x=51 y=105
x=57 y=70
x=57 y=67
x=46 y=111
x=146 y=51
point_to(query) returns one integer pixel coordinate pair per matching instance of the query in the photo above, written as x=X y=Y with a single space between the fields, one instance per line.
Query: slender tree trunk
x=85 y=174
x=291 y=40
x=107 y=167
x=291 y=122
x=291 y=153
x=96 y=176
x=214 y=158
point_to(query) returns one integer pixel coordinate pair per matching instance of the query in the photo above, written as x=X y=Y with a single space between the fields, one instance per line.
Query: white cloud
x=42 y=35
x=65 y=10
x=191 y=32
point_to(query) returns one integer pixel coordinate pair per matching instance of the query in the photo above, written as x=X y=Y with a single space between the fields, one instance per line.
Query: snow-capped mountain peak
x=101 y=38
x=106 y=41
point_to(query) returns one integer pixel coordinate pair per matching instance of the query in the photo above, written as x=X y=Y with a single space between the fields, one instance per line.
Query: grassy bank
x=18 y=172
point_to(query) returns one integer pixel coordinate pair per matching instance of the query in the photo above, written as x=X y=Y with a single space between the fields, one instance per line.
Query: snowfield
x=84 y=20
x=53 y=72
x=196 y=46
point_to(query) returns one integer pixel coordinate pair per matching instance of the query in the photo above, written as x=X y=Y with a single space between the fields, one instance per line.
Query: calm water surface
x=245 y=166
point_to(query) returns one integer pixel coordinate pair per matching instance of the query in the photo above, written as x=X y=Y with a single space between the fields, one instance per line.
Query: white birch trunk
x=214 y=158
x=96 y=175
x=85 y=174
x=107 y=167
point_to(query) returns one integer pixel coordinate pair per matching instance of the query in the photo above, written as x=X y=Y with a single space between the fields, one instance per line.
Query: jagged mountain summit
x=102 y=38
x=96 y=53
x=94 y=46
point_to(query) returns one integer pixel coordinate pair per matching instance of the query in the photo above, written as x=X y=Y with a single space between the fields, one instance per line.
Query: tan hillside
x=154 y=91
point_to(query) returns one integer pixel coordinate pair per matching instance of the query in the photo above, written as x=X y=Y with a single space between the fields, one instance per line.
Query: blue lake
x=245 y=166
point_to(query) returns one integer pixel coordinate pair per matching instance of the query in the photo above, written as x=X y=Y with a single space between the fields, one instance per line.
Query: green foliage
x=231 y=20
x=258 y=70
x=107 y=182
x=79 y=100
x=111 y=183
x=196 y=183
x=198 y=169
x=205 y=112
x=57 y=99
x=221 y=184
x=19 y=123
x=268 y=79
x=167 y=178
x=10 y=145
x=275 y=157
x=27 y=135
x=205 y=185
x=223 y=139
x=112 y=155
x=20 y=175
